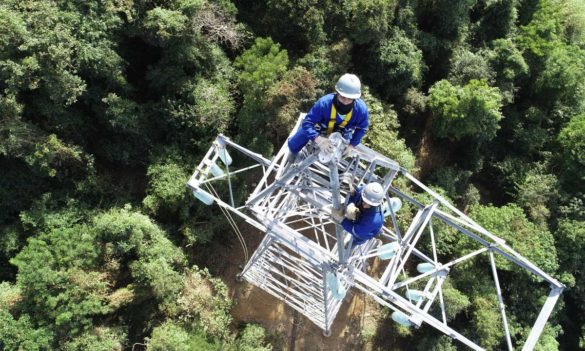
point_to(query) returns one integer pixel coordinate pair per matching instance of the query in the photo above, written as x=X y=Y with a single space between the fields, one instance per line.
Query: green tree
x=510 y=223
x=166 y=193
x=536 y=194
x=252 y=338
x=204 y=303
x=285 y=100
x=498 y=20
x=394 y=65
x=368 y=20
x=572 y=141
x=328 y=63
x=19 y=334
x=261 y=66
x=487 y=322
x=60 y=286
x=472 y=110
x=151 y=258
x=301 y=24
x=382 y=135
x=99 y=339
x=570 y=236
x=467 y=65
x=562 y=80
x=509 y=65
x=173 y=337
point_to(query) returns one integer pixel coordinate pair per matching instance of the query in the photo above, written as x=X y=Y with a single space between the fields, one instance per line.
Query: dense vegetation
x=106 y=106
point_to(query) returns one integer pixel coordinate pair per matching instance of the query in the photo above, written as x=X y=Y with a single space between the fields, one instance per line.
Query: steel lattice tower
x=309 y=262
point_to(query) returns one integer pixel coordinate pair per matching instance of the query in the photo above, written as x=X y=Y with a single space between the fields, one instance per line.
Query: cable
x=232 y=223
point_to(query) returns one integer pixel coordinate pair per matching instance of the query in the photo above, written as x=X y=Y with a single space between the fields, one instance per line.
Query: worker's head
x=348 y=88
x=373 y=194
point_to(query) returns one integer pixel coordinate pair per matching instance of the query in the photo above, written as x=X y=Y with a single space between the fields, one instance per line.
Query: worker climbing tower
x=307 y=260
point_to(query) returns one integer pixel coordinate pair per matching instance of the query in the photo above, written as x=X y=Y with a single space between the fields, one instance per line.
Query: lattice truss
x=309 y=262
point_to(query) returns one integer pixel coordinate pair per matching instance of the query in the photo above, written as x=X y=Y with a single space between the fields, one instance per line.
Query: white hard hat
x=373 y=194
x=349 y=86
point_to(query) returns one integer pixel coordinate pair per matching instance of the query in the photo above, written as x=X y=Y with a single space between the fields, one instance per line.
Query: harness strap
x=333 y=118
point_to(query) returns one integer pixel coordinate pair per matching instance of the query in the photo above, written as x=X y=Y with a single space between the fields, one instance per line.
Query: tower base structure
x=307 y=260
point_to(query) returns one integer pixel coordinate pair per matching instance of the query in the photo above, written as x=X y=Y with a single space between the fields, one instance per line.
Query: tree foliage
x=531 y=241
x=473 y=110
x=109 y=103
x=394 y=65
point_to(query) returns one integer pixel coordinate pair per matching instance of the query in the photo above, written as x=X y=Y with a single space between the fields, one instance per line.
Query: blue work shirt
x=317 y=120
x=369 y=222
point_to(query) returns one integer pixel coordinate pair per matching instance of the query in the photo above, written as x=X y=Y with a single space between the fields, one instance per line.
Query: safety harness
x=331 y=125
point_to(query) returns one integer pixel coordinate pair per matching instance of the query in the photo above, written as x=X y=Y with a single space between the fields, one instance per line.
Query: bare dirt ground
x=429 y=155
x=357 y=326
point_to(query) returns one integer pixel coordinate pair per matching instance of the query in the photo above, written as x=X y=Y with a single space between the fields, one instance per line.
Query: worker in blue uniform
x=342 y=112
x=363 y=218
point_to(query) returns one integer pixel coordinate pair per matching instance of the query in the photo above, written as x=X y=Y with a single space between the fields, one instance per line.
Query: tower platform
x=308 y=261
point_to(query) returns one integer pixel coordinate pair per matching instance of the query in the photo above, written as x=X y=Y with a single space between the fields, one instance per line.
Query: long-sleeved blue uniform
x=369 y=222
x=317 y=120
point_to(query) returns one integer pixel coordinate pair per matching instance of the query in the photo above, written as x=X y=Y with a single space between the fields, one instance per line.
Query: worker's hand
x=352 y=212
x=337 y=215
x=349 y=151
x=324 y=144
x=347 y=182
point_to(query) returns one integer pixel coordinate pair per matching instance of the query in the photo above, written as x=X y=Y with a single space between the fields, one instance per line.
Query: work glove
x=337 y=215
x=347 y=183
x=349 y=151
x=352 y=212
x=324 y=144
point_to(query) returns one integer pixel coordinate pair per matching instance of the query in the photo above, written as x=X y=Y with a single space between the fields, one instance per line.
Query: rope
x=231 y=222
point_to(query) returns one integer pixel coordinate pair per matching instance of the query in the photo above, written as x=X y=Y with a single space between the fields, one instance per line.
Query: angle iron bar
x=300 y=244
x=247 y=218
x=199 y=169
x=297 y=286
x=388 y=234
x=428 y=286
x=388 y=178
x=254 y=155
x=443 y=216
x=393 y=217
x=438 y=287
x=296 y=305
x=295 y=241
x=398 y=303
x=264 y=245
x=464 y=223
x=442 y=301
x=336 y=206
x=325 y=269
x=453 y=208
x=264 y=180
x=282 y=181
x=545 y=312
x=389 y=268
x=523 y=262
x=416 y=252
x=421 y=225
x=300 y=263
x=500 y=301
x=440 y=267
x=301 y=294
x=208 y=180
x=511 y=256
x=315 y=229
x=293 y=266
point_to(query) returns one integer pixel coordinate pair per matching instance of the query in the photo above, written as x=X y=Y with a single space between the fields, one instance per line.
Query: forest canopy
x=107 y=106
